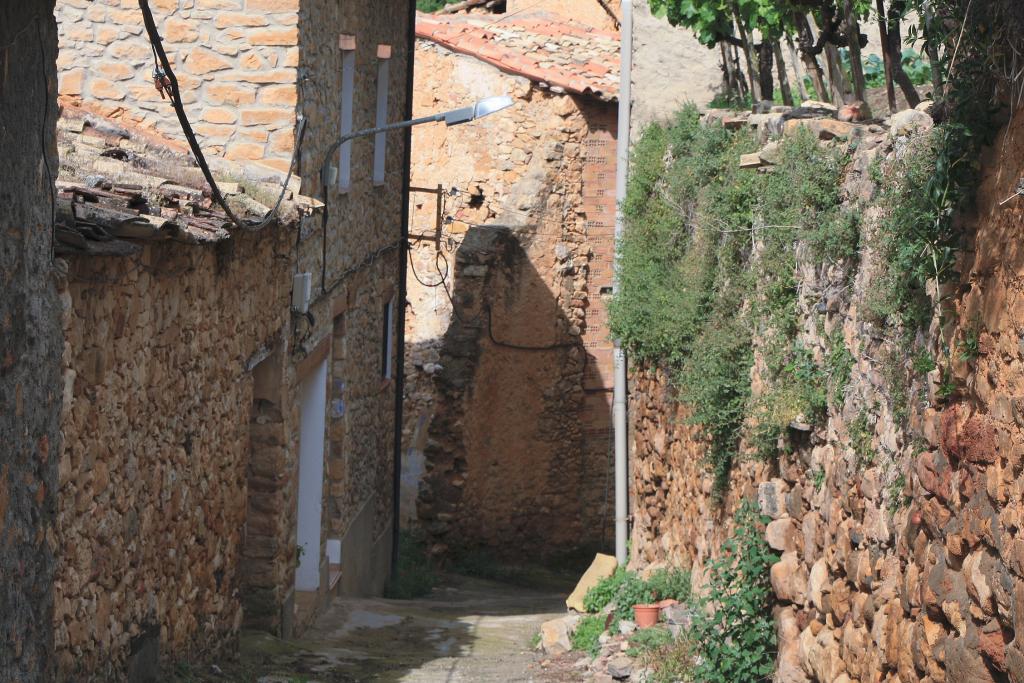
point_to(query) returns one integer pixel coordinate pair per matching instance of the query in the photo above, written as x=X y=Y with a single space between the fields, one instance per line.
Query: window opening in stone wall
x=347 y=44
x=380 y=139
x=389 y=340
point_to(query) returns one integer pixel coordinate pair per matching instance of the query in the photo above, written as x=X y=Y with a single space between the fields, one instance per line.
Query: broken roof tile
x=563 y=54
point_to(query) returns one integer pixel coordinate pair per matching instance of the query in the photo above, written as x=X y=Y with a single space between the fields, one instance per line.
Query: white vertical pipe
x=619 y=392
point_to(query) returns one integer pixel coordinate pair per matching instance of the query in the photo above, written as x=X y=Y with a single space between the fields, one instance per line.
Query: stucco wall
x=588 y=12
x=504 y=445
x=30 y=340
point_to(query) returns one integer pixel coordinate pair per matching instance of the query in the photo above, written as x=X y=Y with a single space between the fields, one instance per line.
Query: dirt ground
x=468 y=630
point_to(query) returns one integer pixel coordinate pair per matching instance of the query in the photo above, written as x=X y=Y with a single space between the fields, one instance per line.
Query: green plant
x=586 y=637
x=415 y=576
x=433 y=5
x=602 y=594
x=818 y=478
x=970 y=344
x=862 y=434
x=922 y=362
x=733 y=628
x=671 y=584
x=647 y=640
x=535 y=641
x=895 y=493
x=838 y=367
x=671 y=663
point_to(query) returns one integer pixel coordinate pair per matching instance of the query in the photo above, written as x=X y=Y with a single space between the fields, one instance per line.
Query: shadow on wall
x=505 y=465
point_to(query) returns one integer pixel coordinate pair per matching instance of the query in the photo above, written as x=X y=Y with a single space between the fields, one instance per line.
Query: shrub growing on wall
x=708 y=266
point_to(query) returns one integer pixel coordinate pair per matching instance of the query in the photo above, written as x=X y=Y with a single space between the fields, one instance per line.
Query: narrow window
x=380 y=140
x=347 y=44
x=389 y=339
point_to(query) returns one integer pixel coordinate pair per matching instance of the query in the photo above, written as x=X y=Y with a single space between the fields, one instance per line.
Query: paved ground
x=466 y=631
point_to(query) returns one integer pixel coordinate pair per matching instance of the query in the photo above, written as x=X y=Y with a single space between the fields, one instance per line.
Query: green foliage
x=895 y=490
x=708 y=262
x=819 y=478
x=733 y=629
x=624 y=589
x=587 y=634
x=433 y=5
x=670 y=663
x=838 y=367
x=970 y=344
x=670 y=584
x=415 y=575
x=601 y=595
x=862 y=432
x=647 y=640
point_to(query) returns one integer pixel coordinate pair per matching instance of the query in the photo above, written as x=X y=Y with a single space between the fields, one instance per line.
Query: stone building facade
x=507 y=422
x=900 y=546
x=227 y=459
x=30 y=339
x=238 y=63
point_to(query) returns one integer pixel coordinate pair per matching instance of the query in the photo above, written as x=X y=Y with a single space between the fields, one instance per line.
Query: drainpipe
x=403 y=251
x=620 y=387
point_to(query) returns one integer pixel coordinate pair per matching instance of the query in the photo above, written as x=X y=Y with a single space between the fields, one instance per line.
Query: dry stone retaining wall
x=908 y=565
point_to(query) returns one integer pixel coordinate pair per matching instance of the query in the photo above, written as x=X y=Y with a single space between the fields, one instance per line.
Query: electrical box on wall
x=302 y=291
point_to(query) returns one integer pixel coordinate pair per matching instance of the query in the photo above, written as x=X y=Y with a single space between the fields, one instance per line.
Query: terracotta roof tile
x=562 y=54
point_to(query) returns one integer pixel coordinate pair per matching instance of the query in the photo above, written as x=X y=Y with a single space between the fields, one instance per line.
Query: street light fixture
x=455 y=117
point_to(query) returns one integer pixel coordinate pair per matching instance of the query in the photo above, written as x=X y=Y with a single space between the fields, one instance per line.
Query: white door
x=313 y=412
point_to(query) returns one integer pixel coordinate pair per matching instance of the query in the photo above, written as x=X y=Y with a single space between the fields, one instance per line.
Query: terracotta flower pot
x=646 y=616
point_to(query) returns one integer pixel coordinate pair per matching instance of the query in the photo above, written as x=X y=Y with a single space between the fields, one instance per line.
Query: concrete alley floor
x=468 y=630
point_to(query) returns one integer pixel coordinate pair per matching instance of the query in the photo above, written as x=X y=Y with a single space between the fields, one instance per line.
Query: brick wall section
x=236 y=62
x=30 y=341
x=504 y=446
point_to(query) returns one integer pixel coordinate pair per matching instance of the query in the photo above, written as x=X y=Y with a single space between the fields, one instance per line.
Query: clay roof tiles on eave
x=562 y=54
x=120 y=185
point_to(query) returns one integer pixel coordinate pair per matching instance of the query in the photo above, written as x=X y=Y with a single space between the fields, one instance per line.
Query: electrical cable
x=156 y=43
x=42 y=141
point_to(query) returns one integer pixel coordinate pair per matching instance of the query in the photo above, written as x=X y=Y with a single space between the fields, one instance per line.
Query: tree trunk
x=806 y=38
x=836 y=77
x=927 y=22
x=894 y=48
x=883 y=32
x=765 y=79
x=31 y=340
x=742 y=87
x=799 y=68
x=780 y=63
x=748 y=51
x=728 y=75
x=860 y=90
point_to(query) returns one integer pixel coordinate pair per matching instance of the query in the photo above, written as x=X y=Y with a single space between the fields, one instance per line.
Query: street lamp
x=455 y=117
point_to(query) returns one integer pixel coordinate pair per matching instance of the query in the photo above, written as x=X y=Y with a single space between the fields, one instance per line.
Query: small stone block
x=347 y=42
x=383 y=52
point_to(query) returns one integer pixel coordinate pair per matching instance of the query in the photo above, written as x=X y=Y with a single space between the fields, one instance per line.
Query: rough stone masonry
x=909 y=566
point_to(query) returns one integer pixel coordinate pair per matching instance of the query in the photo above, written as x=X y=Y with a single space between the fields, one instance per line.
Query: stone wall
x=236 y=62
x=177 y=517
x=153 y=475
x=506 y=441
x=901 y=561
x=30 y=340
